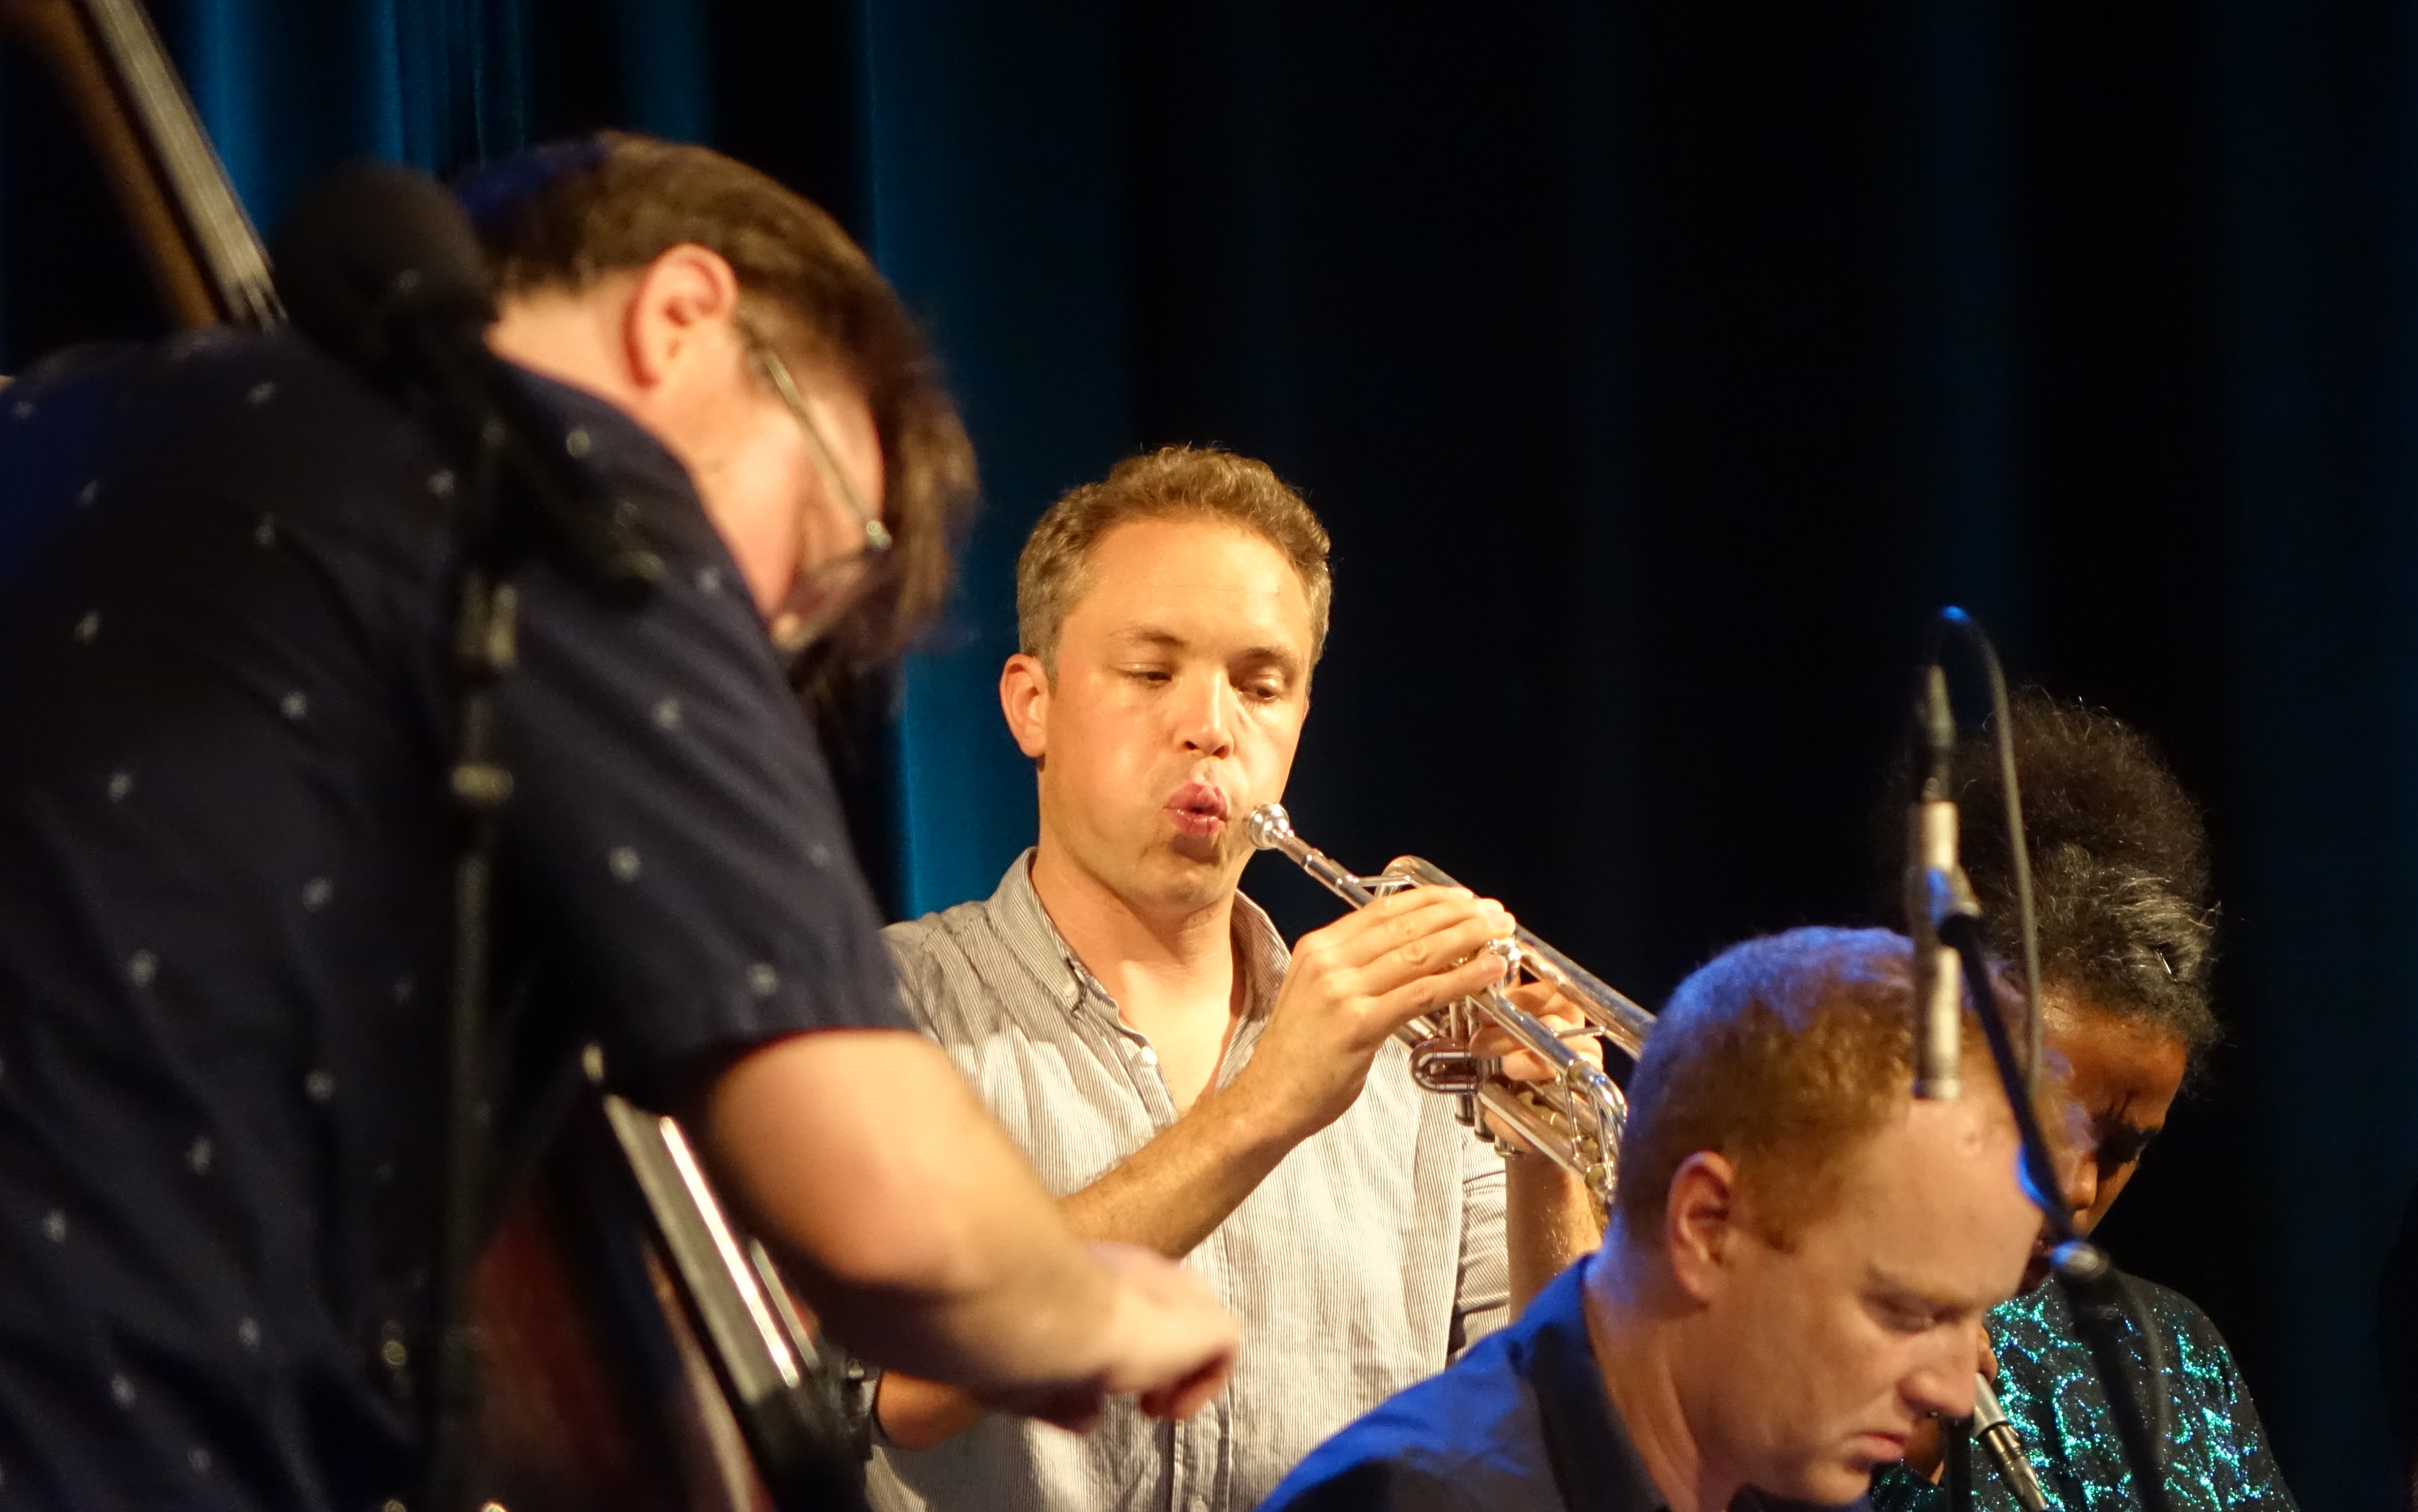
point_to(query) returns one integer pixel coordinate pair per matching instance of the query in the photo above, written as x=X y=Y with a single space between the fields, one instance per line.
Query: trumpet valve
x=1443 y=1064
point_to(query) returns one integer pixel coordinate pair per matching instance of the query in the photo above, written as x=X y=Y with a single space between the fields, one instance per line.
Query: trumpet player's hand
x=1355 y=982
x=1557 y=1013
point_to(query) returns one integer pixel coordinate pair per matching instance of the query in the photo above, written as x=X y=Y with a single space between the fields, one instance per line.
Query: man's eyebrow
x=1284 y=656
x=1157 y=637
x=1153 y=635
x=1899 y=1290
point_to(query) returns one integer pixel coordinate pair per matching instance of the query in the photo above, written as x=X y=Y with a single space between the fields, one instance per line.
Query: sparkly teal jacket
x=2217 y=1458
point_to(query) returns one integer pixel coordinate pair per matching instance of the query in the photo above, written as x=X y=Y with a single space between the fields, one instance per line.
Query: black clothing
x=1521 y=1423
x=226 y=572
x=1518 y=1424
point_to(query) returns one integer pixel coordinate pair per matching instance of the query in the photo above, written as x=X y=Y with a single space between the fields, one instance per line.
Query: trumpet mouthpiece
x=1268 y=826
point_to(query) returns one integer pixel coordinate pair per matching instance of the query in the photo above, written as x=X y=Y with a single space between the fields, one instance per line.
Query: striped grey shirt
x=1368 y=1260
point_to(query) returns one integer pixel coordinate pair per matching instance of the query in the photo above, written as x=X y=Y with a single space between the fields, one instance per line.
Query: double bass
x=639 y=1350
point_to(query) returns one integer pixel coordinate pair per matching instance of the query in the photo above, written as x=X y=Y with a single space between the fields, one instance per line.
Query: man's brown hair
x=1783 y=1054
x=565 y=215
x=1174 y=482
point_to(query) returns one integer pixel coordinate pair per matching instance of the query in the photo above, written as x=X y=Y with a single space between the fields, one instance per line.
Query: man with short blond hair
x=1142 y=1029
x=1170 y=484
x=1800 y=1255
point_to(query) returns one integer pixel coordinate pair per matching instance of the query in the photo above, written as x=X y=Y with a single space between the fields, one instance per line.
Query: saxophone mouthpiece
x=1268 y=827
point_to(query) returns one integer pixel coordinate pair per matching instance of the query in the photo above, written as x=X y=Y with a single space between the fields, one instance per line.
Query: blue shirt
x=226 y=572
x=1519 y=1423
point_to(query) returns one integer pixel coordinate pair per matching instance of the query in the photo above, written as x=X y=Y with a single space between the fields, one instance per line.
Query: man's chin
x=1194 y=874
x=1837 y=1483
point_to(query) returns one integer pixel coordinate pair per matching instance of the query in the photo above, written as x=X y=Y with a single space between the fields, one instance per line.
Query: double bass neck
x=203 y=252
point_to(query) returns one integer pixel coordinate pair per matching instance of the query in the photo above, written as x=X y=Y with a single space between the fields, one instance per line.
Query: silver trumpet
x=1576 y=1118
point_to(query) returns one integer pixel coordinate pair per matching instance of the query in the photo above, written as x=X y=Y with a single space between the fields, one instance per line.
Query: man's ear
x=1024 y=698
x=1700 y=1223
x=685 y=298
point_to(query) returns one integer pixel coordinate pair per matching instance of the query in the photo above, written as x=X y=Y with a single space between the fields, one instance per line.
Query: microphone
x=2005 y=1448
x=1936 y=891
x=381 y=269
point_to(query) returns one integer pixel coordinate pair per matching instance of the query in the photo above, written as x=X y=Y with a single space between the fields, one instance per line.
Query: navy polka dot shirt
x=226 y=571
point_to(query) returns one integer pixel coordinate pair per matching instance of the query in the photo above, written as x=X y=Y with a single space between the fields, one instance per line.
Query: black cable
x=2019 y=854
x=2093 y=1285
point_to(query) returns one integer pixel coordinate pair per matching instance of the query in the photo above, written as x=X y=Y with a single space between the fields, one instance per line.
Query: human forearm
x=1549 y=1221
x=925 y=1242
x=1168 y=1196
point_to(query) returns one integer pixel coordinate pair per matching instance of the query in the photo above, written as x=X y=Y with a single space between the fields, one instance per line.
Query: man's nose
x=1944 y=1386
x=1209 y=718
x=1943 y=1392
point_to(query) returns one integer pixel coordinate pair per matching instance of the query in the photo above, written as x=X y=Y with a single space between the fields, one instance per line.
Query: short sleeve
x=672 y=824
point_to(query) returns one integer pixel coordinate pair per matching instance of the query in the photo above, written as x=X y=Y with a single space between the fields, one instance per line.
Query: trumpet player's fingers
x=1419 y=931
x=1556 y=1012
x=1430 y=953
x=1351 y=985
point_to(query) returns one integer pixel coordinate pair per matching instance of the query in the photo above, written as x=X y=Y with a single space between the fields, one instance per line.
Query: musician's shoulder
x=957 y=967
x=247 y=369
x=929 y=947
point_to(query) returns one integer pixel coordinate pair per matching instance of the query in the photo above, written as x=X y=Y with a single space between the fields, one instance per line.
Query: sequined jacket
x=2218 y=1458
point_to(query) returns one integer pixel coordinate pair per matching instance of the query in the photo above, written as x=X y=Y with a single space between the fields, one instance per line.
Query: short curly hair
x=1172 y=482
x=2120 y=874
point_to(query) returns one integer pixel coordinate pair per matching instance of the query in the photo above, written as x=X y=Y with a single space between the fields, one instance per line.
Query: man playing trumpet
x=1139 y=1027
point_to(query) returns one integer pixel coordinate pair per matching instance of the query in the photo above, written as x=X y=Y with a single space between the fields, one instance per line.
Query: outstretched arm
x=925 y=1240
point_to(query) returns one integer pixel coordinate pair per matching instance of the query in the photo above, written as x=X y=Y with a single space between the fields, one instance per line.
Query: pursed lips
x=1198 y=808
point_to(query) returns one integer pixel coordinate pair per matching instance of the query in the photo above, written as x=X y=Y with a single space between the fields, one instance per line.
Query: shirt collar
x=1025 y=926
x=634 y=464
x=1595 y=1463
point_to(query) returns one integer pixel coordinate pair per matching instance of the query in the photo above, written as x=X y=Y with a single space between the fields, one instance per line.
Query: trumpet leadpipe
x=1575 y=1117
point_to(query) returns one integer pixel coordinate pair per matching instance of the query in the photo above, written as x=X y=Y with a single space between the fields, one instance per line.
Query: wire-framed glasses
x=825 y=590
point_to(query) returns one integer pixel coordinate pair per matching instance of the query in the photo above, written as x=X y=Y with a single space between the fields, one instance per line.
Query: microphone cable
x=2096 y=1291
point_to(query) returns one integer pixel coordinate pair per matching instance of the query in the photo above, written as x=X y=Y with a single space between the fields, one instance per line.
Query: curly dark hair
x=2120 y=879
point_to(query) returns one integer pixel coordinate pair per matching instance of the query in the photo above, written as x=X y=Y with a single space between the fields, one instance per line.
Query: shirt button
x=1147 y=1056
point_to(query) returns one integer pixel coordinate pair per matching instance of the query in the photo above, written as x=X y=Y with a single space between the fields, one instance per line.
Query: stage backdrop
x=1657 y=368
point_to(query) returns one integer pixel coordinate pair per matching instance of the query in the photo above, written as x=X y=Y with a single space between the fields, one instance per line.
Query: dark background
x=1657 y=367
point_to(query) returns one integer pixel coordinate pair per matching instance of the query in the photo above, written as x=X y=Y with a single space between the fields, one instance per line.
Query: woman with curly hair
x=2126 y=931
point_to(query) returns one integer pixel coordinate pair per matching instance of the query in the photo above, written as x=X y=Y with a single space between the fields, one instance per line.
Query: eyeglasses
x=825 y=590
